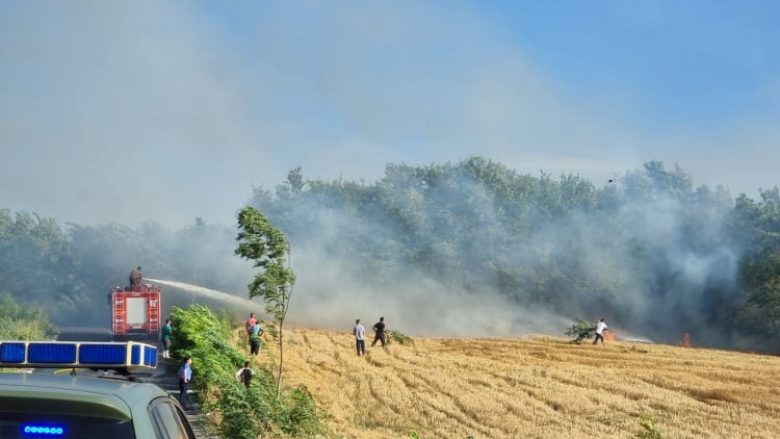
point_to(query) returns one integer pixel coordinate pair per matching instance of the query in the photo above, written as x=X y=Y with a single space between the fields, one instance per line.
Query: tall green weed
x=242 y=413
x=649 y=429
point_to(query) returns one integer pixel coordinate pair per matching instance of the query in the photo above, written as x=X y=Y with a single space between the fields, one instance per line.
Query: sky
x=115 y=111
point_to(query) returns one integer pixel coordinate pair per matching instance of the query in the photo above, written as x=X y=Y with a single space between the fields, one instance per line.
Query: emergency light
x=88 y=355
x=33 y=430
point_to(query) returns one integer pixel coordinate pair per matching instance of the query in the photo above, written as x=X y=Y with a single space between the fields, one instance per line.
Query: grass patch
x=649 y=429
x=400 y=338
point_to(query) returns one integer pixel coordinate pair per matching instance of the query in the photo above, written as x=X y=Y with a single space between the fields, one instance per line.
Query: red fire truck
x=135 y=312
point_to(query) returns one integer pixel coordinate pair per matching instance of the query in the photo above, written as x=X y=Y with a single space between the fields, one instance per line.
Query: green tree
x=268 y=248
x=581 y=330
x=20 y=322
x=36 y=262
x=757 y=224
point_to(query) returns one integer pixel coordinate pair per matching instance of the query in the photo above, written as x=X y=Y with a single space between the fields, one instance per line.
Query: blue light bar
x=150 y=356
x=51 y=354
x=35 y=430
x=12 y=352
x=135 y=356
x=102 y=353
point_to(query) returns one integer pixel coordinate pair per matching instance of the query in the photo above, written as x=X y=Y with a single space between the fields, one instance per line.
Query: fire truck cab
x=135 y=312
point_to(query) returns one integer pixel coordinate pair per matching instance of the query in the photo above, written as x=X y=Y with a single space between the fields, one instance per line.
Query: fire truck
x=135 y=312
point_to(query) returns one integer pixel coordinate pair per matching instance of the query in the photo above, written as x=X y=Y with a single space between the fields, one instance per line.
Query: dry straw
x=535 y=388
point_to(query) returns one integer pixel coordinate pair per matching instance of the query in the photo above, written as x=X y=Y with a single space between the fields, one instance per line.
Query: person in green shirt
x=167 y=336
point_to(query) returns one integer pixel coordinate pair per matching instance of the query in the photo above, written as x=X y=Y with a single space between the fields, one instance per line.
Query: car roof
x=88 y=395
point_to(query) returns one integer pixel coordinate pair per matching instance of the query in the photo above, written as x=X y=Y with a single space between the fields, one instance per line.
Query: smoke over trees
x=470 y=248
x=70 y=272
x=653 y=252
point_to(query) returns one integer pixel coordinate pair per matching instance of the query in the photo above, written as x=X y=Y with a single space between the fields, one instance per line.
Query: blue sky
x=164 y=111
x=679 y=59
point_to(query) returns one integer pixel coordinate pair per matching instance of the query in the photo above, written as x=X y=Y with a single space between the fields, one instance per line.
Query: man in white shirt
x=601 y=326
x=360 y=337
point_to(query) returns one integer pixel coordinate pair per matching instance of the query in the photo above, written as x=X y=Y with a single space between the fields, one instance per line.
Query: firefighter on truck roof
x=136 y=277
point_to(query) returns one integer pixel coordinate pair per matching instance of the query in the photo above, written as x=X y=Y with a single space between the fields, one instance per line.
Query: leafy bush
x=205 y=337
x=241 y=412
x=400 y=338
x=20 y=322
x=581 y=330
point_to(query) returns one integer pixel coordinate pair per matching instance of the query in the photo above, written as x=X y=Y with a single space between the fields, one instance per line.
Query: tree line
x=649 y=249
x=658 y=254
x=69 y=270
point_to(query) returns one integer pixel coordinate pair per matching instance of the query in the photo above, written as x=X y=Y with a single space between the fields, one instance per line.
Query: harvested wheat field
x=536 y=387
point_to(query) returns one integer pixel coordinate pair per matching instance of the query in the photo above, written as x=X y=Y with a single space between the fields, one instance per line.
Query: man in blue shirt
x=185 y=377
x=254 y=338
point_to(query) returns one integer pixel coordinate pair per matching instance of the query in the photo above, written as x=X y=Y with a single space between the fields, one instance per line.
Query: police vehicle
x=46 y=405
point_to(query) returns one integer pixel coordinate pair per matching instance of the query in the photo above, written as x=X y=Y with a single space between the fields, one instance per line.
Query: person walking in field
x=167 y=336
x=245 y=375
x=360 y=338
x=379 y=332
x=254 y=338
x=601 y=326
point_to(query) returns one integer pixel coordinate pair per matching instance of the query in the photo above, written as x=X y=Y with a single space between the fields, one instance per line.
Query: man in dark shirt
x=245 y=375
x=379 y=332
x=136 y=277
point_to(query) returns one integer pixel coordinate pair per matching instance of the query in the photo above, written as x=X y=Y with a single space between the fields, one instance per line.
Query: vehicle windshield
x=18 y=425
